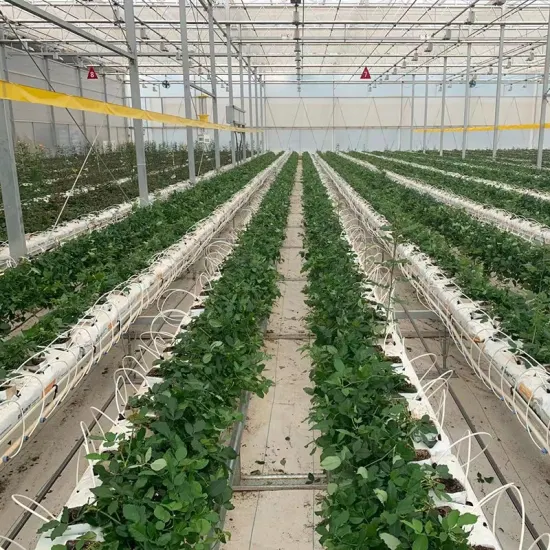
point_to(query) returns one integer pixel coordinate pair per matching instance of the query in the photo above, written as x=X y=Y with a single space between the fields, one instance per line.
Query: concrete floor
x=277 y=438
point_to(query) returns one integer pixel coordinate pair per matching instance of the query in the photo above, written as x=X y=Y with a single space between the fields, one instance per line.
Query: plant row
x=378 y=495
x=519 y=175
x=66 y=281
x=509 y=275
x=515 y=203
x=164 y=485
x=103 y=192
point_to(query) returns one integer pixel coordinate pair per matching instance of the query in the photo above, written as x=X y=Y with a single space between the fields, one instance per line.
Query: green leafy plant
x=378 y=496
x=68 y=280
x=164 y=485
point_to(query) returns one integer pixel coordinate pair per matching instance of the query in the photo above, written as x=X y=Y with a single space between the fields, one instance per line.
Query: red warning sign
x=92 y=75
x=365 y=74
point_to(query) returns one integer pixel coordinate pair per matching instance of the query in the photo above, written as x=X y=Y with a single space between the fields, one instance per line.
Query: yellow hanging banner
x=39 y=96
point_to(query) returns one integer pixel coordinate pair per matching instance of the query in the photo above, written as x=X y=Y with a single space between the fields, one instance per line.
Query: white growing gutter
x=541 y=195
x=46 y=379
x=51 y=238
x=529 y=230
x=514 y=377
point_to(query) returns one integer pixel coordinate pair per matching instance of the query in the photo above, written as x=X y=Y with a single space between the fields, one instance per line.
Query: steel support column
x=467 y=100
x=214 y=83
x=443 y=106
x=133 y=70
x=262 y=125
x=412 y=113
x=51 y=110
x=535 y=105
x=544 y=100
x=257 y=117
x=187 y=89
x=266 y=140
x=230 y=84
x=9 y=182
x=250 y=110
x=81 y=92
x=107 y=118
x=425 y=135
x=499 y=90
x=241 y=74
x=400 y=127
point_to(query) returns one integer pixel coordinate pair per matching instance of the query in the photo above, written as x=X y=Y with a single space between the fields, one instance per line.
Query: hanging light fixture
x=386 y=77
x=448 y=34
x=297 y=47
x=490 y=69
x=429 y=47
x=510 y=88
x=144 y=35
x=56 y=55
x=178 y=55
x=509 y=63
x=531 y=56
x=394 y=70
x=415 y=55
x=471 y=18
x=440 y=88
x=163 y=46
x=370 y=87
x=404 y=64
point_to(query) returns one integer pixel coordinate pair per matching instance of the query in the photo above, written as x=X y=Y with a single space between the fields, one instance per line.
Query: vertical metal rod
x=467 y=100
x=125 y=119
x=187 y=89
x=534 y=117
x=51 y=110
x=412 y=113
x=241 y=74
x=544 y=100
x=499 y=91
x=333 y=117
x=81 y=92
x=133 y=69
x=250 y=110
x=9 y=182
x=107 y=118
x=163 y=128
x=400 y=127
x=214 y=83
x=256 y=107
x=443 y=97
x=266 y=136
x=262 y=148
x=6 y=76
x=230 y=84
x=425 y=136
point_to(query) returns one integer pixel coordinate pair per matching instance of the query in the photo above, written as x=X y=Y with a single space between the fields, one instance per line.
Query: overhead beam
x=58 y=22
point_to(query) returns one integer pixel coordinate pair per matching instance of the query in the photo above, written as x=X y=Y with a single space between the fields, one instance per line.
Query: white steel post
x=266 y=139
x=256 y=108
x=443 y=97
x=81 y=92
x=107 y=118
x=133 y=69
x=499 y=90
x=250 y=110
x=230 y=84
x=412 y=113
x=213 y=83
x=53 y=128
x=9 y=182
x=544 y=99
x=467 y=100
x=241 y=70
x=185 y=65
x=262 y=149
x=425 y=136
x=400 y=127
x=534 y=117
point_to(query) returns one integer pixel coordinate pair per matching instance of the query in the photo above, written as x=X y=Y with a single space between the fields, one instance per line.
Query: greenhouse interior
x=274 y=275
